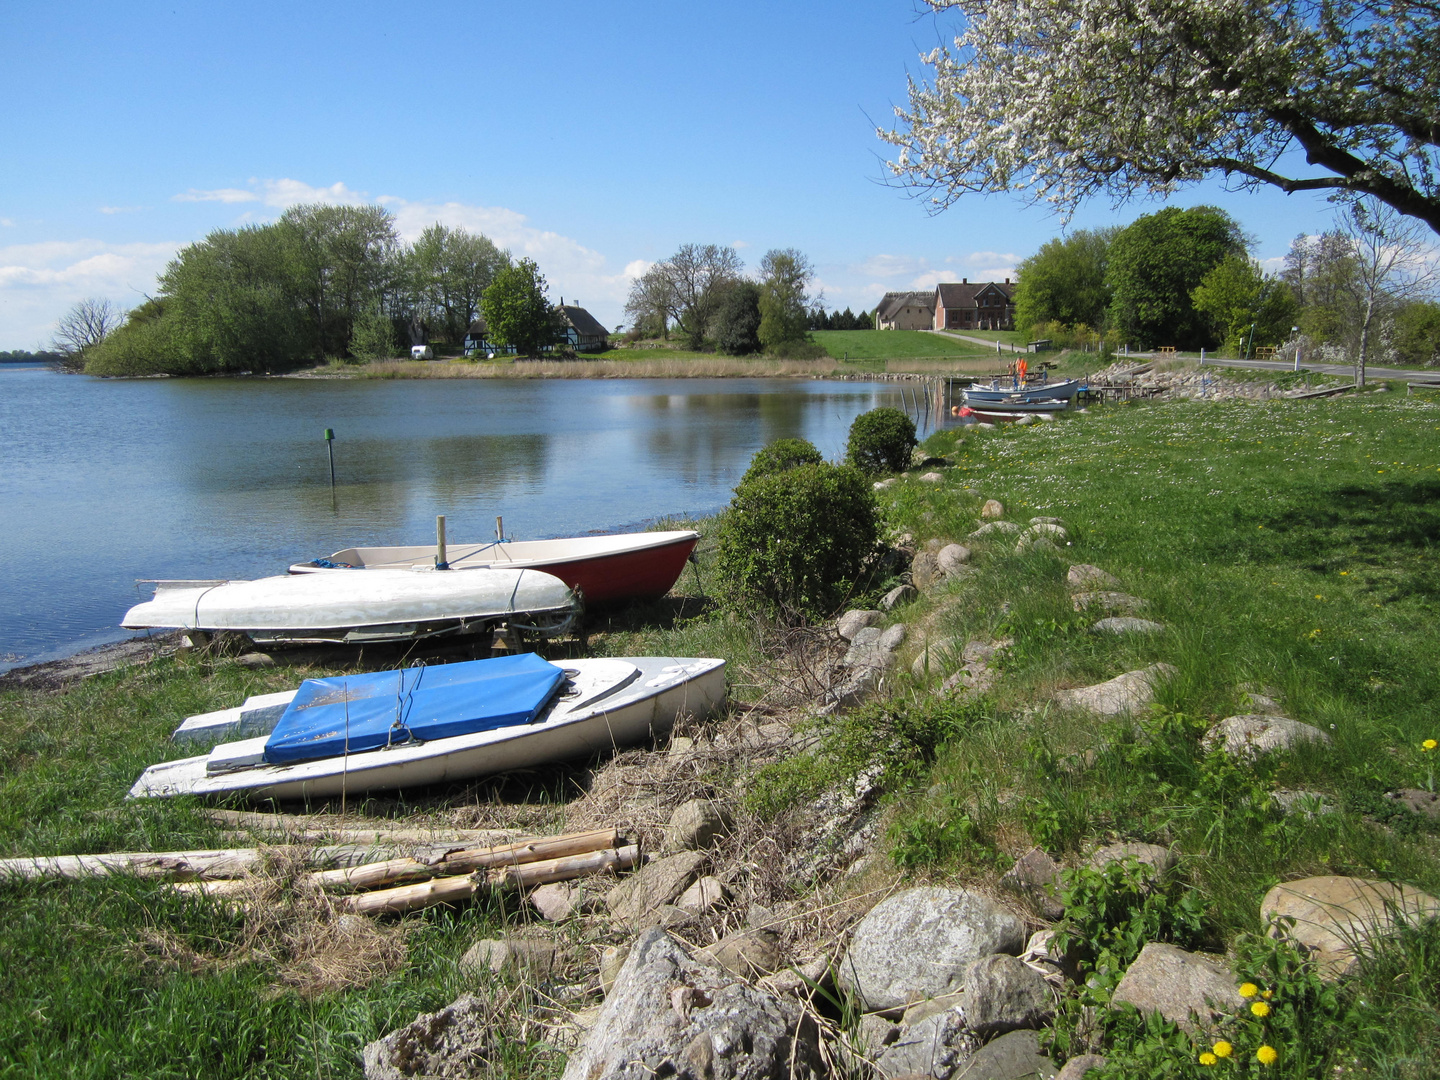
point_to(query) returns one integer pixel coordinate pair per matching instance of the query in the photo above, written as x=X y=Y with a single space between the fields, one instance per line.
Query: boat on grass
x=385 y=605
x=1011 y=389
x=351 y=734
x=1009 y=410
x=602 y=569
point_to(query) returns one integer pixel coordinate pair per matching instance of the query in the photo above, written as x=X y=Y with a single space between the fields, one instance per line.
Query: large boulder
x=1130 y=692
x=638 y=897
x=952 y=559
x=1255 y=734
x=671 y=1012
x=456 y=1041
x=1003 y=994
x=917 y=944
x=1184 y=987
x=852 y=622
x=1335 y=915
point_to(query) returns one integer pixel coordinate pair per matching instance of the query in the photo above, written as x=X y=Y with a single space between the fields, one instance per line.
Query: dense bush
x=793 y=543
x=881 y=440
x=780 y=455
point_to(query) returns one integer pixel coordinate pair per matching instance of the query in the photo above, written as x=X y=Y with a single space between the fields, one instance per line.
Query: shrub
x=881 y=440
x=780 y=455
x=793 y=542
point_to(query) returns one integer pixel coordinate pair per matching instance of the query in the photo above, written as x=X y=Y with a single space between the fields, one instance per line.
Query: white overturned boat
x=390 y=729
x=384 y=605
x=624 y=566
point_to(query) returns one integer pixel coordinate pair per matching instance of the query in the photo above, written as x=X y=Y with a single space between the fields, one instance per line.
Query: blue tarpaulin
x=351 y=713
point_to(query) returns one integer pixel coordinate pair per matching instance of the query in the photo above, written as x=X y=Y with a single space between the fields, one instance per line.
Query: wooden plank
x=179 y=865
x=551 y=847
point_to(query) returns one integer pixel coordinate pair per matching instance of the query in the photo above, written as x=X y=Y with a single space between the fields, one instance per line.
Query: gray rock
x=566 y=1034
x=892 y=638
x=747 y=953
x=1417 y=801
x=1130 y=692
x=802 y=981
x=852 y=622
x=1127 y=624
x=1261 y=699
x=656 y=883
x=1254 y=734
x=901 y=594
x=936 y=1046
x=1056 y=534
x=700 y=897
x=1184 y=987
x=1027 y=420
x=672 y=1012
x=952 y=559
x=881 y=485
x=456 y=1041
x=1083 y=577
x=874 y=1033
x=925 y=569
x=1002 y=994
x=556 y=901
x=931 y=477
x=1160 y=860
x=993 y=508
x=1015 y=1056
x=916 y=944
x=1333 y=916
x=255 y=660
x=1106 y=600
x=510 y=954
x=931 y=1007
x=696 y=825
x=995 y=529
x=1077 y=1067
x=1036 y=877
x=1047 y=521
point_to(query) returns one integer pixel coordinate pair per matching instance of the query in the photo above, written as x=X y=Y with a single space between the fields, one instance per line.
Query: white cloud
x=8 y=223
x=889 y=266
x=121 y=209
x=220 y=195
x=38 y=282
x=277 y=193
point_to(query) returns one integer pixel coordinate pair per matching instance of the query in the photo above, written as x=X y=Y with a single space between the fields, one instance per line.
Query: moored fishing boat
x=1009 y=410
x=1008 y=389
x=352 y=734
x=627 y=566
x=386 y=605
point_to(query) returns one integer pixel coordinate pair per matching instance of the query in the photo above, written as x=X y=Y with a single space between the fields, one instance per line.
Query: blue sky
x=593 y=137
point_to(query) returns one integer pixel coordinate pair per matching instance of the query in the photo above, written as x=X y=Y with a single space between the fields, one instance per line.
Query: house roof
x=963 y=293
x=892 y=302
x=583 y=322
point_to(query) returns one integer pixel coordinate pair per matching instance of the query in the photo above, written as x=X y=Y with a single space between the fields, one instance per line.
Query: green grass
x=892 y=344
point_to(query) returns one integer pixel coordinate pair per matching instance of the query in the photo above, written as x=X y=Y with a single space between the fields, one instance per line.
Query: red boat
x=602 y=569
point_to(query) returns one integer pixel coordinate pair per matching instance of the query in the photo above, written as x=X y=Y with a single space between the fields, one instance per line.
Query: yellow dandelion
x=1222 y=1049
x=1429 y=744
x=1207 y=1058
x=1266 y=1055
x=1268 y=994
x=1260 y=1009
x=1248 y=990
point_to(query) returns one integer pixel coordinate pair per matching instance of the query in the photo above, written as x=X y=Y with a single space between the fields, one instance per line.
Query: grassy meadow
x=1290 y=549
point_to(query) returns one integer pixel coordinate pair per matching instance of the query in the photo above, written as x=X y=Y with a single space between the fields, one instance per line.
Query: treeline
x=23 y=356
x=323 y=282
x=703 y=294
x=1185 y=278
x=840 y=320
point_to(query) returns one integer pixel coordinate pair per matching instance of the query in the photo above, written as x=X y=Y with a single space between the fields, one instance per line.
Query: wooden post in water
x=440 y=561
x=330 y=449
x=499 y=528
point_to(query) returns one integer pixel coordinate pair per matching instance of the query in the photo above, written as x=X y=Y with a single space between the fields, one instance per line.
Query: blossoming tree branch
x=1067 y=99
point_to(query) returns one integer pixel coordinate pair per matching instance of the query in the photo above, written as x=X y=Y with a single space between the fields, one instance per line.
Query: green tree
x=686 y=289
x=518 y=311
x=1319 y=271
x=780 y=455
x=1246 y=307
x=1155 y=264
x=1064 y=282
x=345 y=262
x=1066 y=101
x=784 y=303
x=1417 y=334
x=737 y=320
x=449 y=270
x=881 y=440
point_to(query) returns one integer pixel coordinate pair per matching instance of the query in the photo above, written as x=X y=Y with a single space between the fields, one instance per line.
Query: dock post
x=330 y=449
x=441 y=563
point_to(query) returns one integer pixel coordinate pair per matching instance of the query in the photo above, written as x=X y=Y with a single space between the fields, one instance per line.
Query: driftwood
x=207 y=865
x=297 y=827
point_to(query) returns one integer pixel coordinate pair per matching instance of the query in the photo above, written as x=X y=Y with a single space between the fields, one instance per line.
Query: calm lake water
x=105 y=482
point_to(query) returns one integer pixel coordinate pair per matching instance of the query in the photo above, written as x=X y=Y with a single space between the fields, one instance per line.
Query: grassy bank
x=1289 y=548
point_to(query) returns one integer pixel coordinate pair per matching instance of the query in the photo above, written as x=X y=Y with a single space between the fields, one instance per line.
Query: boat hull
x=385 y=605
x=1060 y=391
x=647 y=703
x=602 y=569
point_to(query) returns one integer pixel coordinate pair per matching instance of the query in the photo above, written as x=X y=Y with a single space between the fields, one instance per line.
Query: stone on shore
x=1127 y=624
x=702 y=896
x=1003 y=994
x=672 y=1012
x=1160 y=860
x=696 y=824
x=1036 y=877
x=1333 y=915
x=993 y=508
x=925 y=569
x=951 y=559
x=1186 y=988
x=931 y=477
x=1107 y=600
x=1016 y=1056
x=636 y=898
x=901 y=594
x=937 y=1046
x=1254 y=734
x=852 y=622
x=1130 y=692
x=1083 y=577
x=509 y=954
x=1077 y=1067
x=917 y=944
x=995 y=529
x=457 y=1040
